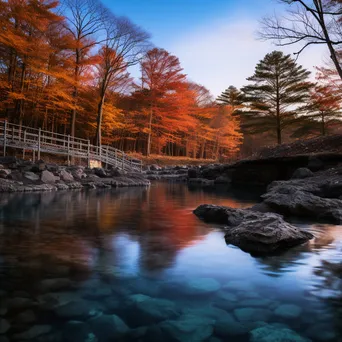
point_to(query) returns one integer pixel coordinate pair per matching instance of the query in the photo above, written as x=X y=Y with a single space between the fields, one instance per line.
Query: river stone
x=302 y=173
x=229 y=327
x=146 y=310
x=187 y=328
x=108 y=328
x=288 y=311
x=201 y=286
x=48 y=177
x=252 y=314
x=33 y=332
x=75 y=331
x=4 y=326
x=4 y=173
x=322 y=332
x=55 y=284
x=27 y=316
x=76 y=309
x=239 y=285
x=270 y=333
x=255 y=302
x=31 y=176
x=66 y=176
x=98 y=292
x=208 y=312
x=19 y=303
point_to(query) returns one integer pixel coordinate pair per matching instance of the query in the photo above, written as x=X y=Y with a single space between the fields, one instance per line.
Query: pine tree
x=231 y=96
x=277 y=95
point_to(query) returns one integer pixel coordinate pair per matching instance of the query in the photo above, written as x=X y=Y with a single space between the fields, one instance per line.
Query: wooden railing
x=38 y=140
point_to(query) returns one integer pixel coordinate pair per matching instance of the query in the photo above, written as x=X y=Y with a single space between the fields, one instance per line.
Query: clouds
x=225 y=53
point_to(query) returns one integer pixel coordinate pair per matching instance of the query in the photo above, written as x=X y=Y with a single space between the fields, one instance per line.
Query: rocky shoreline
x=25 y=176
x=313 y=193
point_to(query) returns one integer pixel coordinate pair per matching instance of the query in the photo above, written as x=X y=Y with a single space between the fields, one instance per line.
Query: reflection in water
x=147 y=241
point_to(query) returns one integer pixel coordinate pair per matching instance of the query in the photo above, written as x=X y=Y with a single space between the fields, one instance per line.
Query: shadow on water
x=97 y=250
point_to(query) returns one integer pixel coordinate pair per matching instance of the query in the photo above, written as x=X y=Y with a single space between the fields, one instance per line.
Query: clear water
x=71 y=261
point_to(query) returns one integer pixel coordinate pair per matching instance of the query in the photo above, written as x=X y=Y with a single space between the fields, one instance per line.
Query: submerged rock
x=254 y=232
x=4 y=326
x=187 y=328
x=201 y=286
x=302 y=173
x=252 y=314
x=270 y=333
x=33 y=332
x=288 y=311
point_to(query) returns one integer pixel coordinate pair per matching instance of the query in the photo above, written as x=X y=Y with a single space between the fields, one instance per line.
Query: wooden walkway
x=37 y=140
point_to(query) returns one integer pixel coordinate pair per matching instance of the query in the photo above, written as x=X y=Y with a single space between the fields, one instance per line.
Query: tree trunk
x=98 y=137
x=278 y=113
x=323 y=124
x=149 y=137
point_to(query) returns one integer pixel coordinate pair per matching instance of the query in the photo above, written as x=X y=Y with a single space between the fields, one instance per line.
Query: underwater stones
x=201 y=286
x=75 y=331
x=50 y=300
x=252 y=314
x=33 y=332
x=187 y=328
x=288 y=311
x=108 y=327
x=208 y=312
x=19 y=303
x=145 y=310
x=229 y=327
x=98 y=292
x=239 y=285
x=56 y=284
x=76 y=309
x=4 y=326
x=321 y=332
x=255 y=302
x=27 y=316
x=270 y=333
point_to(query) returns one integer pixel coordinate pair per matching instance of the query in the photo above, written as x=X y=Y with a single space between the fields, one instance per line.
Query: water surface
x=68 y=258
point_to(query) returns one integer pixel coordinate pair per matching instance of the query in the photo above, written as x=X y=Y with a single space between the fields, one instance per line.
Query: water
x=137 y=265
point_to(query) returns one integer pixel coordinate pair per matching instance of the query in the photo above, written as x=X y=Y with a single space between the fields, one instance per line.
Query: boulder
x=108 y=328
x=252 y=314
x=315 y=164
x=187 y=328
x=76 y=331
x=302 y=172
x=4 y=326
x=66 y=176
x=155 y=167
x=193 y=173
x=33 y=332
x=55 y=284
x=4 y=173
x=270 y=333
x=100 y=172
x=222 y=180
x=78 y=173
x=31 y=176
x=288 y=311
x=27 y=316
x=48 y=177
x=201 y=286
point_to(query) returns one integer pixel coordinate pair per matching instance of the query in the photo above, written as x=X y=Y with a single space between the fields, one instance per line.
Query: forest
x=64 y=67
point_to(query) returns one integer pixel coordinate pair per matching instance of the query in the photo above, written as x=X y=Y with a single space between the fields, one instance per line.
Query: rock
x=270 y=333
x=200 y=182
x=315 y=164
x=255 y=302
x=55 y=284
x=4 y=173
x=96 y=293
x=322 y=332
x=201 y=286
x=187 y=328
x=78 y=173
x=100 y=172
x=145 y=310
x=9 y=162
x=66 y=176
x=75 y=331
x=192 y=173
x=155 y=167
x=254 y=232
x=27 y=316
x=4 y=326
x=62 y=186
x=267 y=235
x=75 y=309
x=19 y=303
x=302 y=173
x=33 y=332
x=222 y=180
x=108 y=328
x=288 y=311
x=48 y=177
x=252 y=314
x=289 y=200
x=229 y=327
x=208 y=312
x=31 y=176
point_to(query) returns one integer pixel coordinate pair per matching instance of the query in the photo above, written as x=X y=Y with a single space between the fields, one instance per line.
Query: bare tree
x=125 y=45
x=309 y=22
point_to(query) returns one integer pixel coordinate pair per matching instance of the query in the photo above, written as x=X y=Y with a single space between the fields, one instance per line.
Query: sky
x=215 y=40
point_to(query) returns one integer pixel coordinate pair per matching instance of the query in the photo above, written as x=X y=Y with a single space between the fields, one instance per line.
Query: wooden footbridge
x=39 y=141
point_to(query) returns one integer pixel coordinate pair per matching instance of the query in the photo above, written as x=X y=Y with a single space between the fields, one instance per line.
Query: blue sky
x=215 y=40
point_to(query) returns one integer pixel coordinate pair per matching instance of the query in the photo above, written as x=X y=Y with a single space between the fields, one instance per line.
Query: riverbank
x=25 y=176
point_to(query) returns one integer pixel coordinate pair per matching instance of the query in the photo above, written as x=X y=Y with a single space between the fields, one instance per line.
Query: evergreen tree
x=277 y=95
x=231 y=96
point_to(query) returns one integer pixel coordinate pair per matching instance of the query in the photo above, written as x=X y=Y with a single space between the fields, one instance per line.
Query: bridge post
x=5 y=133
x=116 y=158
x=88 y=153
x=107 y=157
x=39 y=138
x=68 y=149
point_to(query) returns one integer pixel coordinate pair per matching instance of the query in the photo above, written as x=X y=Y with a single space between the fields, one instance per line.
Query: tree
x=124 y=46
x=310 y=22
x=160 y=75
x=231 y=96
x=324 y=107
x=279 y=87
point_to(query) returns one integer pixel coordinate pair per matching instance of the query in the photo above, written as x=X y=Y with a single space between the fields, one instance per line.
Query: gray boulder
x=66 y=176
x=302 y=173
x=254 y=232
x=270 y=333
x=100 y=172
x=48 y=177
x=31 y=176
x=4 y=173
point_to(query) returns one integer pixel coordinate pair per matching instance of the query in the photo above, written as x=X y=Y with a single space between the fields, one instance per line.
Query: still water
x=137 y=265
